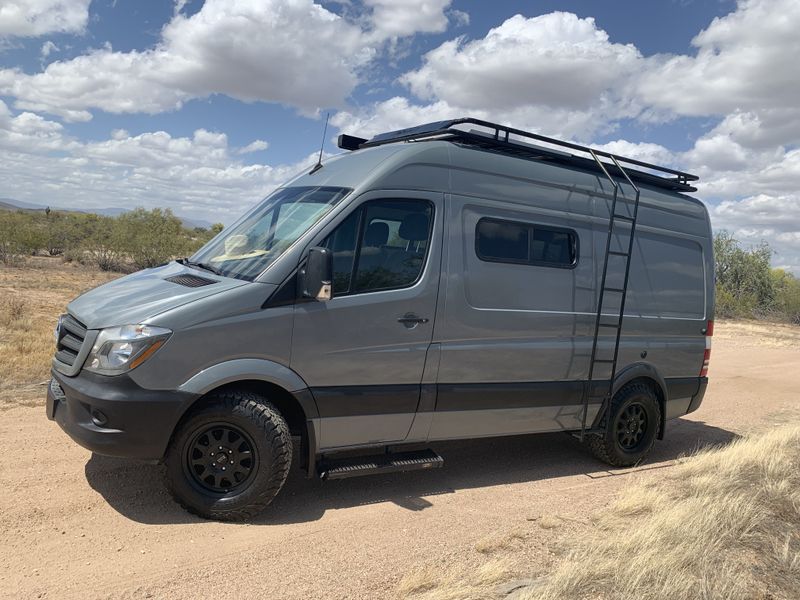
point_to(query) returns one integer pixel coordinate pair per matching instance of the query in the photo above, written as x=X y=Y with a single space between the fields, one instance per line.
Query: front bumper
x=113 y=415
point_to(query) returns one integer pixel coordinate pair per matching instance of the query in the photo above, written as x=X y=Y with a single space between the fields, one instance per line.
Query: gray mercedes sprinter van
x=460 y=279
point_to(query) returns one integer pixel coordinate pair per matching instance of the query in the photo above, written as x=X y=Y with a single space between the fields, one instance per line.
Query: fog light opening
x=98 y=418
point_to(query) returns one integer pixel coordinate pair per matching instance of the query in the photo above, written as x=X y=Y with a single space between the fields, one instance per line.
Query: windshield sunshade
x=251 y=245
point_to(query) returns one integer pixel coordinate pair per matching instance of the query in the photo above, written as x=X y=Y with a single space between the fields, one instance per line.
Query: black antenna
x=318 y=166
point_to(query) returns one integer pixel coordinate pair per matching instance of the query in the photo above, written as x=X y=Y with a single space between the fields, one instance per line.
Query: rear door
x=363 y=352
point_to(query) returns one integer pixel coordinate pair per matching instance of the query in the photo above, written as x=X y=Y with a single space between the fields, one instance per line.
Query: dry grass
x=498 y=562
x=431 y=583
x=496 y=543
x=31 y=298
x=724 y=524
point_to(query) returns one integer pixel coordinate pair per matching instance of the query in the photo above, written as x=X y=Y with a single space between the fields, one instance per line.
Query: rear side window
x=525 y=243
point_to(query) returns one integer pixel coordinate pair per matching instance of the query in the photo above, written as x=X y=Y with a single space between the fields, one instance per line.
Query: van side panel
x=515 y=339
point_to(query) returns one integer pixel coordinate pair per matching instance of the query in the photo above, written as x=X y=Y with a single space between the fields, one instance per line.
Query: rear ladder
x=594 y=388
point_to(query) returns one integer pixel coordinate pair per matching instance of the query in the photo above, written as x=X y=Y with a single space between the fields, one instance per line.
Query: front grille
x=190 y=280
x=71 y=335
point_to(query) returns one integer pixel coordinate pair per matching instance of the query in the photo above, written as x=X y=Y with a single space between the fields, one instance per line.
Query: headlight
x=120 y=349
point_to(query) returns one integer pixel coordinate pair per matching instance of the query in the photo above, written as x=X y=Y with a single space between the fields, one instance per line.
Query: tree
x=744 y=281
x=20 y=235
x=104 y=241
x=787 y=295
x=152 y=237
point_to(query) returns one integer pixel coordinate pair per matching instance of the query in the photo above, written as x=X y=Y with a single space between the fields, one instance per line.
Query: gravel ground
x=74 y=525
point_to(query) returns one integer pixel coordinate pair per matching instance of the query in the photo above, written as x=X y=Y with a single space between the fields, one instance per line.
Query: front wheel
x=631 y=428
x=229 y=459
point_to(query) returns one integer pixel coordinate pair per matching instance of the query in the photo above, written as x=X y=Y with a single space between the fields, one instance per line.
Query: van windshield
x=249 y=246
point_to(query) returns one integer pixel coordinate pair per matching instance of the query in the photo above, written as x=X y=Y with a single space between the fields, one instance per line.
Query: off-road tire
x=607 y=446
x=263 y=427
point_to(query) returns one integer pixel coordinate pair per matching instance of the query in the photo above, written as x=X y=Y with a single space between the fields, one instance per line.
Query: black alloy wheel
x=631 y=426
x=230 y=456
x=221 y=458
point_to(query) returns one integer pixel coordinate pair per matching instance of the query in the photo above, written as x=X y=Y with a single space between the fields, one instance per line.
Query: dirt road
x=73 y=525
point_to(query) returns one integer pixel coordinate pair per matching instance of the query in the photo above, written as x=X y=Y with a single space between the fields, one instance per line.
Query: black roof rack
x=498 y=139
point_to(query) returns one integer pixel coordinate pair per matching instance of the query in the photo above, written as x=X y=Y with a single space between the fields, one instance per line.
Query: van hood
x=142 y=295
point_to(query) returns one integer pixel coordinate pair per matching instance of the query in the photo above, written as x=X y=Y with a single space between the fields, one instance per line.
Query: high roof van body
x=432 y=284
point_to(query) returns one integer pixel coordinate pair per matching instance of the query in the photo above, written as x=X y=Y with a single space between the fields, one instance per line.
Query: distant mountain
x=12 y=204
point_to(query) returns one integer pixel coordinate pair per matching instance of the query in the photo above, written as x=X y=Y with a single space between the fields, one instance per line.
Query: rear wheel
x=229 y=459
x=631 y=428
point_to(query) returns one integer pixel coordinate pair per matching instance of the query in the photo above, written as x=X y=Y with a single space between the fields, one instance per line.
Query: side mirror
x=317 y=277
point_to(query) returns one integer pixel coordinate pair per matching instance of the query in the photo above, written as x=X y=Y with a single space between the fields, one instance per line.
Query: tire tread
x=269 y=420
x=602 y=447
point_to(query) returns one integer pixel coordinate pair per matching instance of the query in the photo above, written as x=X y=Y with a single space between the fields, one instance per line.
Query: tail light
x=707 y=353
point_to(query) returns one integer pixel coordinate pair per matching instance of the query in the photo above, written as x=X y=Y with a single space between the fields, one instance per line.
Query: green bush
x=151 y=238
x=787 y=295
x=103 y=242
x=21 y=234
x=746 y=285
x=137 y=239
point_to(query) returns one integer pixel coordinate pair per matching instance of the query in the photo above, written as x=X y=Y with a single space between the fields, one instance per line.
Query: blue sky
x=205 y=106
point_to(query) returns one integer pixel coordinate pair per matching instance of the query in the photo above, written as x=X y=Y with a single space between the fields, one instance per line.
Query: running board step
x=379 y=463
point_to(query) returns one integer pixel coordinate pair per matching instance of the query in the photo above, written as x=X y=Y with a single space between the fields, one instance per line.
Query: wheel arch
x=647 y=373
x=284 y=388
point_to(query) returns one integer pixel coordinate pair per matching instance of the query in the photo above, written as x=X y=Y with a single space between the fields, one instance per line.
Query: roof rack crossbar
x=500 y=140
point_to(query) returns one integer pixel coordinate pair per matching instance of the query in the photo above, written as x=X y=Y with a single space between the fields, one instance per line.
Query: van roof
x=498 y=138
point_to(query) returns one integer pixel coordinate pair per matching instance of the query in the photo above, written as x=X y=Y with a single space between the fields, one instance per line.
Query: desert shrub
x=103 y=242
x=787 y=295
x=134 y=240
x=744 y=282
x=63 y=231
x=152 y=237
x=20 y=235
x=16 y=308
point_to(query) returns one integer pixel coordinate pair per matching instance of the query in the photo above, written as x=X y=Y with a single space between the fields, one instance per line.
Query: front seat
x=405 y=264
x=373 y=254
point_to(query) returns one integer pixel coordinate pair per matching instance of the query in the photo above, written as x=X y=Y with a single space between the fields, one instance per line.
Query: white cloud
x=555 y=60
x=746 y=60
x=763 y=128
x=247 y=49
x=399 y=112
x=752 y=188
x=47 y=48
x=195 y=176
x=644 y=151
x=555 y=74
x=459 y=17
x=393 y=19
x=292 y=52
x=255 y=146
x=31 y=18
x=29 y=132
x=765 y=218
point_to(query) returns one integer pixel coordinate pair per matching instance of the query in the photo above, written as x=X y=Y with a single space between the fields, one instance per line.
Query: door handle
x=410 y=320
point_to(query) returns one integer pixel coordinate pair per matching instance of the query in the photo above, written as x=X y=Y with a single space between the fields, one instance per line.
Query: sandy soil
x=73 y=525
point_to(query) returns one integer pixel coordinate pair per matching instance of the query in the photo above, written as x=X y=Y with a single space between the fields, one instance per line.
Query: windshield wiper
x=204 y=266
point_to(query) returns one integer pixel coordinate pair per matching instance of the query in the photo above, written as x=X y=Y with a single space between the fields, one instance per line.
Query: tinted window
x=343 y=243
x=381 y=246
x=525 y=243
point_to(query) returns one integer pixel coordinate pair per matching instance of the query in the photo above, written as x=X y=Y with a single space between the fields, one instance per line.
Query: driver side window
x=382 y=245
